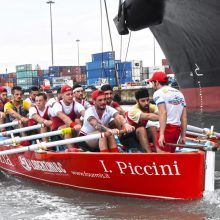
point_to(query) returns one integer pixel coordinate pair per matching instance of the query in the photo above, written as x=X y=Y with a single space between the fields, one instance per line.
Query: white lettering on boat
x=53 y=167
x=148 y=169
x=154 y=169
x=5 y=159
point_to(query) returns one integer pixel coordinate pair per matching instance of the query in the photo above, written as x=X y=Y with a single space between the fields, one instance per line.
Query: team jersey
x=84 y=103
x=66 y=109
x=133 y=115
x=35 y=110
x=174 y=101
x=106 y=117
x=30 y=100
x=72 y=111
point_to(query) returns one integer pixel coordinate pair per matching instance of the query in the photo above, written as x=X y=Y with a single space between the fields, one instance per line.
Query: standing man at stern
x=172 y=112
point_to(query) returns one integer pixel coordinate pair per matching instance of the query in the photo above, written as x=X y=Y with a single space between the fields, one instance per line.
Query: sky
x=25 y=34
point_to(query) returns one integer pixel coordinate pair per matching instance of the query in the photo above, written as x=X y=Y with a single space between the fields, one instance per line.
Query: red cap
x=3 y=89
x=159 y=76
x=66 y=88
x=97 y=93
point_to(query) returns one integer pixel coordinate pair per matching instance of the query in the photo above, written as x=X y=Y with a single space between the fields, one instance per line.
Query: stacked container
x=76 y=73
x=8 y=79
x=101 y=69
x=25 y=75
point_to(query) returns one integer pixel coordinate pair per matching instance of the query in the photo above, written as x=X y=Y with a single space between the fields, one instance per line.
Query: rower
x=97 y=119
x=56 y=98
x=17 y=108
x=107 y=89
x=65 y=112
x=39 y=114
x=3 y=100
x=34 y=90
x=138 y=116
x=78 y=96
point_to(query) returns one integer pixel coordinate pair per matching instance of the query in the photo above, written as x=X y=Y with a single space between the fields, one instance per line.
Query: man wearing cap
x=172 y=112
x=139 y=116
x=3 y=100
x=66 y=111
x=96 y=119
x=107 y=89
x=78 y=96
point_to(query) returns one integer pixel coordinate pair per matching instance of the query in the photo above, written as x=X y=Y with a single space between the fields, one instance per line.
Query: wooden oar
x=17 y=139
x=198 y=147
x=9 y=124
x=43 y=145
x=15 y=131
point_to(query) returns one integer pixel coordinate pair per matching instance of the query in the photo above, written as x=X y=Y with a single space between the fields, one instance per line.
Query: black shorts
x=84 y=146
x=129 y=140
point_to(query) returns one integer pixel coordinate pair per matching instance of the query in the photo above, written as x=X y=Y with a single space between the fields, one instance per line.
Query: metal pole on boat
x=51 y=29
x=36 y=136
x=9 y=124
x=44 y=145
x=30 y=128
x=210 y=171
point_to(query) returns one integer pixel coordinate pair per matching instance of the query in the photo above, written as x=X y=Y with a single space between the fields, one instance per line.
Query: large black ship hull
x=188 y=32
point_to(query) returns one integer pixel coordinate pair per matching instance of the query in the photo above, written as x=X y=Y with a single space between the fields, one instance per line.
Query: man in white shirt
x=96 y=119
x=66 y=111
x=33 y=92
x=172 y=112
x=39 y=113
x=78 y=96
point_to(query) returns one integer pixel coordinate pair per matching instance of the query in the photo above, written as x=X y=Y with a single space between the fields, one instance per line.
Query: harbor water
x=22 y=199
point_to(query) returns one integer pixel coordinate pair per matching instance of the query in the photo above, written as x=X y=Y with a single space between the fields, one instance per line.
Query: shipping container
x=25 y=67
x=26 y=74
x=11 y=75
x=60 y=80
x=109 y=55
x=137 y=64
x=24 y=81
x=106 y=64
x=83 y=69
x=95 y=73
x=91 y=82
x=46 y=72
x=155 y=69
x=40 y=72
x=35 y=81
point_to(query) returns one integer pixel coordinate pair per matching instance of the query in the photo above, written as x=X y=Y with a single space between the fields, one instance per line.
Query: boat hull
x=158 y=176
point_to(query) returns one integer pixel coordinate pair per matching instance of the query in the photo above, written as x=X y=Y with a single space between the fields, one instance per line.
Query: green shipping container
x=24 y=67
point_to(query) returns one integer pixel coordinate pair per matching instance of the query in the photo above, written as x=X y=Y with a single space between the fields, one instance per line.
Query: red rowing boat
x=158 y=176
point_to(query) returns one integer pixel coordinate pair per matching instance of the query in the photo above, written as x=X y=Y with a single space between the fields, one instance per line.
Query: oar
x=198 y=147
x=9 y=124
x=195 y=134
x=15 y=131
x=43 y=145
x=202 y=130
x=17 y=139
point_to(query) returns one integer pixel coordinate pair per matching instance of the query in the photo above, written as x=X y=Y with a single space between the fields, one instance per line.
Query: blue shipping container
x=109 y=55
x=107 y=64
x=91 y=82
